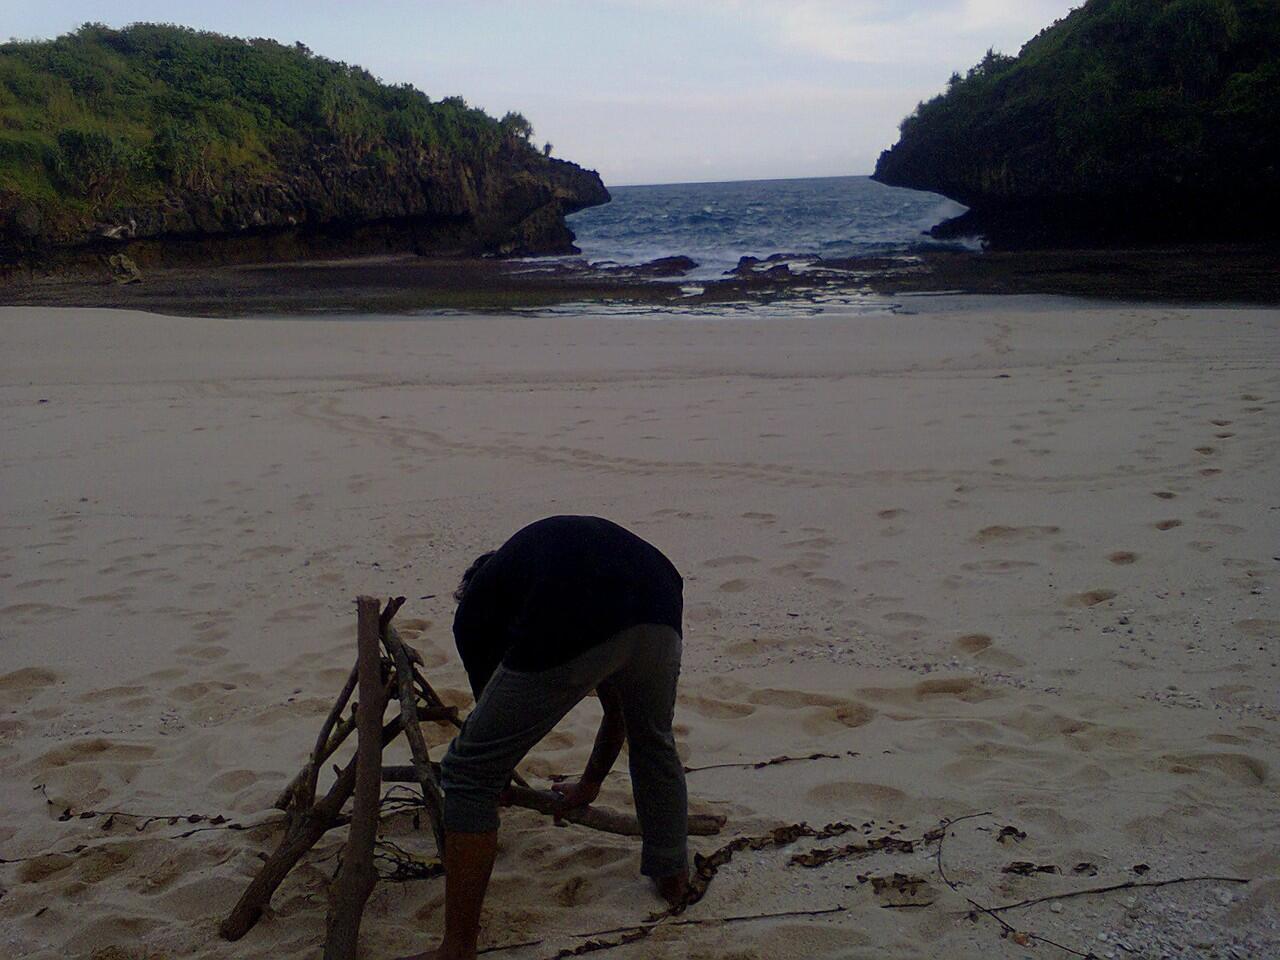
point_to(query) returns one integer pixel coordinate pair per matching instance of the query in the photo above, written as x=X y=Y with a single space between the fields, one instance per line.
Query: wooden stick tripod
x=377 y=679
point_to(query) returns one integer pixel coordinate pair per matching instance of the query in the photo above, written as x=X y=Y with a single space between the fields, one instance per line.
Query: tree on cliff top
x=1173 y=100
x=100 y=114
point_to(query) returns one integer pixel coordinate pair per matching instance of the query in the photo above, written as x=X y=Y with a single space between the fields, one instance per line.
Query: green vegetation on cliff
x=106 y=125
x=1156 y=109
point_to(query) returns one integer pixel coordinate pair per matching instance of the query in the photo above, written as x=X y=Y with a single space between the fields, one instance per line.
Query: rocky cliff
x=508 y=204
x=174 y=145
x=1126 y=120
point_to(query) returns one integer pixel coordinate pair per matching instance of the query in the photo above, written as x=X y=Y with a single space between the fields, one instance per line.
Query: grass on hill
x=100 y=116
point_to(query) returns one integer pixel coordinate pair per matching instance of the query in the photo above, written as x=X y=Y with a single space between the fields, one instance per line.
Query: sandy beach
x=1011 y=559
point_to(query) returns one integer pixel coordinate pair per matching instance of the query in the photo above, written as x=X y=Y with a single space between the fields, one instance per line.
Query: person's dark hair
x=471 y=571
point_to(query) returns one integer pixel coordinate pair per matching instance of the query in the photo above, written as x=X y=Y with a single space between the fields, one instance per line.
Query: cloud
x=907 y=32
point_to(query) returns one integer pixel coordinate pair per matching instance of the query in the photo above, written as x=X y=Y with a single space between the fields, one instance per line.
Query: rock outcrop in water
x=1127 y=119
x=178 y=145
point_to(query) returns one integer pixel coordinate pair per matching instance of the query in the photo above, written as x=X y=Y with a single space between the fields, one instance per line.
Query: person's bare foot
x=674 y=888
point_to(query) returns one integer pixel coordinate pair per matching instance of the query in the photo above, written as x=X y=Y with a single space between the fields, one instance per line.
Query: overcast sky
x=645 y=91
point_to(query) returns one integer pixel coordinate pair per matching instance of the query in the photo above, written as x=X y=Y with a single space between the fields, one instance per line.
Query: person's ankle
x=673 y=888
x=454 y=950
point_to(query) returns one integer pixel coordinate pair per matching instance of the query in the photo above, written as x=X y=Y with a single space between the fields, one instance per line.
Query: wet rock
x=666 y=267
x=123 y=269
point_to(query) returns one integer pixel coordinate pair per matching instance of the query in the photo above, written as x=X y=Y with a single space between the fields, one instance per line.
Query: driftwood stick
x=357 y=874
x=300 y=836
x=601 y=818
x=1128 y=885
x=549 y=803
x=423 y=772
x=773 y=762
x=448 y=714
x=337 y=737
x=388 y=614
x=303 y=793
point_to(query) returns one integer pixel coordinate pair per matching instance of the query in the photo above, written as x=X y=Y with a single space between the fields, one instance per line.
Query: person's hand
x=575 y=795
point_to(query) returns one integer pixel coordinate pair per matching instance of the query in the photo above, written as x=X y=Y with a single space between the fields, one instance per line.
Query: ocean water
x=717 y=223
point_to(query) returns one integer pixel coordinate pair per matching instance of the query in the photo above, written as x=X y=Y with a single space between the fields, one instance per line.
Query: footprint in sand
x=1090 y=598
x=1241 y=768
x=92 y=750
x=812 y=543
x=906 y=618
x=1168 y=524
x=957 y=688
x=732 y=560
x=11 y=730
x=1165 y=494
x=110 y=694
x=981 y=647
x=303 y=612
x=964 y=689
x=33 y=613
x=1122 y=558
x=738 y=585
x=1005 y=534
x=1269 y=629
x=972 y=643
x=19 y=686
x=868 y=565
x=848 y=794
x=715 y=709
x=996 y=566
x=825 y=714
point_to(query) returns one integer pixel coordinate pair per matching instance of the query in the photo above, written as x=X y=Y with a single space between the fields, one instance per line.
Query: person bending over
x=566 y=606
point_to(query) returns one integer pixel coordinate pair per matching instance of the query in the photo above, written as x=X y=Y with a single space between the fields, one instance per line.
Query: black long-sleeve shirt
x=557 y=588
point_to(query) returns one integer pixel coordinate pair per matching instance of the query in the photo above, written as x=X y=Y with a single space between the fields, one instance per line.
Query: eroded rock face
x=1144 y=120
x=512 y=204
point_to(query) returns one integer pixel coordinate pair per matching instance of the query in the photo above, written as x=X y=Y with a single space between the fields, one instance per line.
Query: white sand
x=900 y=537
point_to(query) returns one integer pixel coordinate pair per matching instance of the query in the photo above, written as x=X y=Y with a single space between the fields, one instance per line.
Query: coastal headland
x=1136 y=122
x=160 y=145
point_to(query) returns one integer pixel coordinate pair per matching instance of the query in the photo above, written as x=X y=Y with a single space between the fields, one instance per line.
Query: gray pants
x=518 y=709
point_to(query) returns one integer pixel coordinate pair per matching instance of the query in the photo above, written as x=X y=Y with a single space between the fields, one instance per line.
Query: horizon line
x=683 y=183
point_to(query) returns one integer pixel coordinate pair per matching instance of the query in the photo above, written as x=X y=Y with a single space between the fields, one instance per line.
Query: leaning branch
x=550 y=803
x=1129 y=885
x=423 y=772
